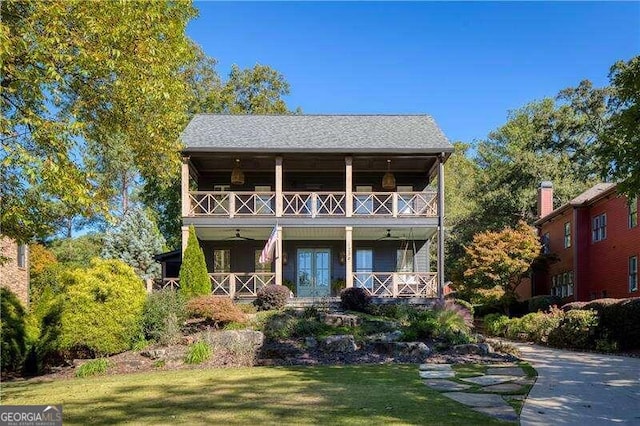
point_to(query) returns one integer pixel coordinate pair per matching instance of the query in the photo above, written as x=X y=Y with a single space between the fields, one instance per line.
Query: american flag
x=267 y=252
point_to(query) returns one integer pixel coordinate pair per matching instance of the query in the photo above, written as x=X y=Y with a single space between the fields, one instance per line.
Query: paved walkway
x=575 y=388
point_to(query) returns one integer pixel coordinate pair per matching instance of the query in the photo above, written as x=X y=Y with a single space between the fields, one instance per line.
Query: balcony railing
x=166 y=284
x=313 y=204
x=240 y=284
x=397 y=284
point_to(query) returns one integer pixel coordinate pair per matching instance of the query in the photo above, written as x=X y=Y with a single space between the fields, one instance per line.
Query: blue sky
x=466 y=64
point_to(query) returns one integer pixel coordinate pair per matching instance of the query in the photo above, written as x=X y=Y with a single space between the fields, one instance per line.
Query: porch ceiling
x=314 y=233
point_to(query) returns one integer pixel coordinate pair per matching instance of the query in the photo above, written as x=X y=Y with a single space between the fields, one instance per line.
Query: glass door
x=314 y=272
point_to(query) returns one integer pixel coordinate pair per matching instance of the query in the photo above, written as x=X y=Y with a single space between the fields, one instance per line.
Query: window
x=565 y=283
x=553 y=285
x=570 y=286
x=599 y=227
x=633 y=212
x=567 y=235
x=260 y=267
x=633 y=273
x=546 y=239
x=364 y=268
x=222 y=260
x=22 y=256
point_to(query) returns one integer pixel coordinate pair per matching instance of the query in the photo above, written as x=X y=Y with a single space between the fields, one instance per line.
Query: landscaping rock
x=310 y=342
x=341 y=343
x=390 y=337
x=154 y=353
x=469 y=349
x=437 y=374
x=485 y=348
x=430 y=367
x=417 y=349
x=339 y=320
x=235 y=338
x=445 y=385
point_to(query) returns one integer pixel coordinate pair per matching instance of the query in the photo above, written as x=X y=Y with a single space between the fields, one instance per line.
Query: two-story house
x=594 y=241
x=358 y=198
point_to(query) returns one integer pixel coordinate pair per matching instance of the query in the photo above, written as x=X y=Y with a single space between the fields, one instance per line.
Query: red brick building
x=593 y=242
x=14 y=268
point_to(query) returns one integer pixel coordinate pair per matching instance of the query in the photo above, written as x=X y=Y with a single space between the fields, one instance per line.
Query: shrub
x=573 y=305
x=194 y=278
x=198 y=353
x=40 y=258
x=449 y=322
x=12 y=316
x=279 y=325
x=535 y=326
x=355 y=299
x=543 y=303
x=290 y=285
x=466 y=305
x=496 y=324
x=102 y=308
x=576 y=329
x=78 y=252
x=621 y=320
x=219 y=310
x=271 y=297
x=93 y=368
x=337 y=286
x=163 y=316
x=43 y=325
x=247 y=308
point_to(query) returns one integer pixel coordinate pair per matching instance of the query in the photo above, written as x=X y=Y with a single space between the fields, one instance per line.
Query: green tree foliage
x=619 y=151
x=194 y=278
x=102 y=308
x=76 y=75
x=135 y=240
x=78 y=252
x=12 y=316
x=498 y=260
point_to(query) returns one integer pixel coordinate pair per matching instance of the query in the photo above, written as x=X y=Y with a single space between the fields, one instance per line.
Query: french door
x=314 y=272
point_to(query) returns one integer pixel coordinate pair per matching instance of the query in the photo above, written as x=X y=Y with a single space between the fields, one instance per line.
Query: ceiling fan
x=239 y=237
x=388 y=236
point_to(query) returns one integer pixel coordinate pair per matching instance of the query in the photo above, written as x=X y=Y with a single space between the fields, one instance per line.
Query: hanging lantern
x=388 y=180
x=237 y=175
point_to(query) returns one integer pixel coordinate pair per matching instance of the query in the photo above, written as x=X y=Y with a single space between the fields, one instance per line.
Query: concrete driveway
x=577 y=388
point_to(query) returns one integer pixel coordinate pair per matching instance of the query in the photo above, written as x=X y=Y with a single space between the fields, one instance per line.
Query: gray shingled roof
x=319 y=133
x=591 y=193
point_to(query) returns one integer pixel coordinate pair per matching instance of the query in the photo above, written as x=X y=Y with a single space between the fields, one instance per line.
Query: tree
x=72 y=75
x=498 y=260
x=135 y=241
x=194 y=278
x=78 y=252
x=619 y=150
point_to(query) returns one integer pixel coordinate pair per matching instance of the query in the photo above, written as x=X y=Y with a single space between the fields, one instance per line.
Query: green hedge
x=12 y=318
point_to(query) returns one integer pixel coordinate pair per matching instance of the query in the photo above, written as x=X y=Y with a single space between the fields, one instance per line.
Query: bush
x=449 y=322
x=466 y=305
x=194 y=278
x=44 y=327
x=573 y=305
x=219 y=310
x=279 y=325
x=535 y=326
x=163 y=316
x=102 y=309
x=290 y=285
x=621 y=321
x=271 y=297
x=93 y=368
x=543 y=303
x=496 y=324
x=198 y=353
x=12 y=318
x=337 y=286
x=355 y=299
x=576 y=329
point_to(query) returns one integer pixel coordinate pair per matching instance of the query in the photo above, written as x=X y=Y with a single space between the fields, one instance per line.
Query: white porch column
x=279 y=256
x=279 y=199
x=441 y=226
x=348 y=172
x=184 y=188
x=348 y=264
x=185 y=238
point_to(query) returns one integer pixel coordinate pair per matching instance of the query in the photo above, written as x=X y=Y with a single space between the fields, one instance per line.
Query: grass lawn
x=378 y=394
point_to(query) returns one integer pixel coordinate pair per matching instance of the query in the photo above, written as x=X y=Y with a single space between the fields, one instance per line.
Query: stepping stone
x=435 y=374
x=503 y=413
x=429 y=367
x=507 y=371
x=477 y=399
x=503 y=387
x=488 y=380
x=445 y=385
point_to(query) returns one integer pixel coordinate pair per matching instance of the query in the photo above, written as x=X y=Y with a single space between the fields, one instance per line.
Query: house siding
x=12 y=276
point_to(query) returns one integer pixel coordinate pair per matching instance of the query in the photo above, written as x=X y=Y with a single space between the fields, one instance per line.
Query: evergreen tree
x=194 y=278
x=135 y=241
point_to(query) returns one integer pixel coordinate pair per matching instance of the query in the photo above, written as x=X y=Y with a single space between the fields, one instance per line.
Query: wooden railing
x=313 y=204
x=397 y=284
x=240 y=284
x=166 y=283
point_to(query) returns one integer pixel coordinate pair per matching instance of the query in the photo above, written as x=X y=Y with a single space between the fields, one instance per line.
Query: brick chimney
x=545 y=199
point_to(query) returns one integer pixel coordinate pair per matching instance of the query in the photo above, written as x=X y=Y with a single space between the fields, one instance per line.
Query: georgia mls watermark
x=30 y=415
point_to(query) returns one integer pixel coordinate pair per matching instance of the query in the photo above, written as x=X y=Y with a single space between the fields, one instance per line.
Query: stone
x=414 y=349
x=228 y=339
x=425 y=367
x=505 y=412
x=341 y=343
x=310 y=342
x=338 y=320
x=154 y=353
x=503 y=387
x=444 y=385
x=468 y=349
x=488 y=380
x=506 y=371
x=390 y=337
x=485 y=348
x=477 y=399
x=437 y=374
